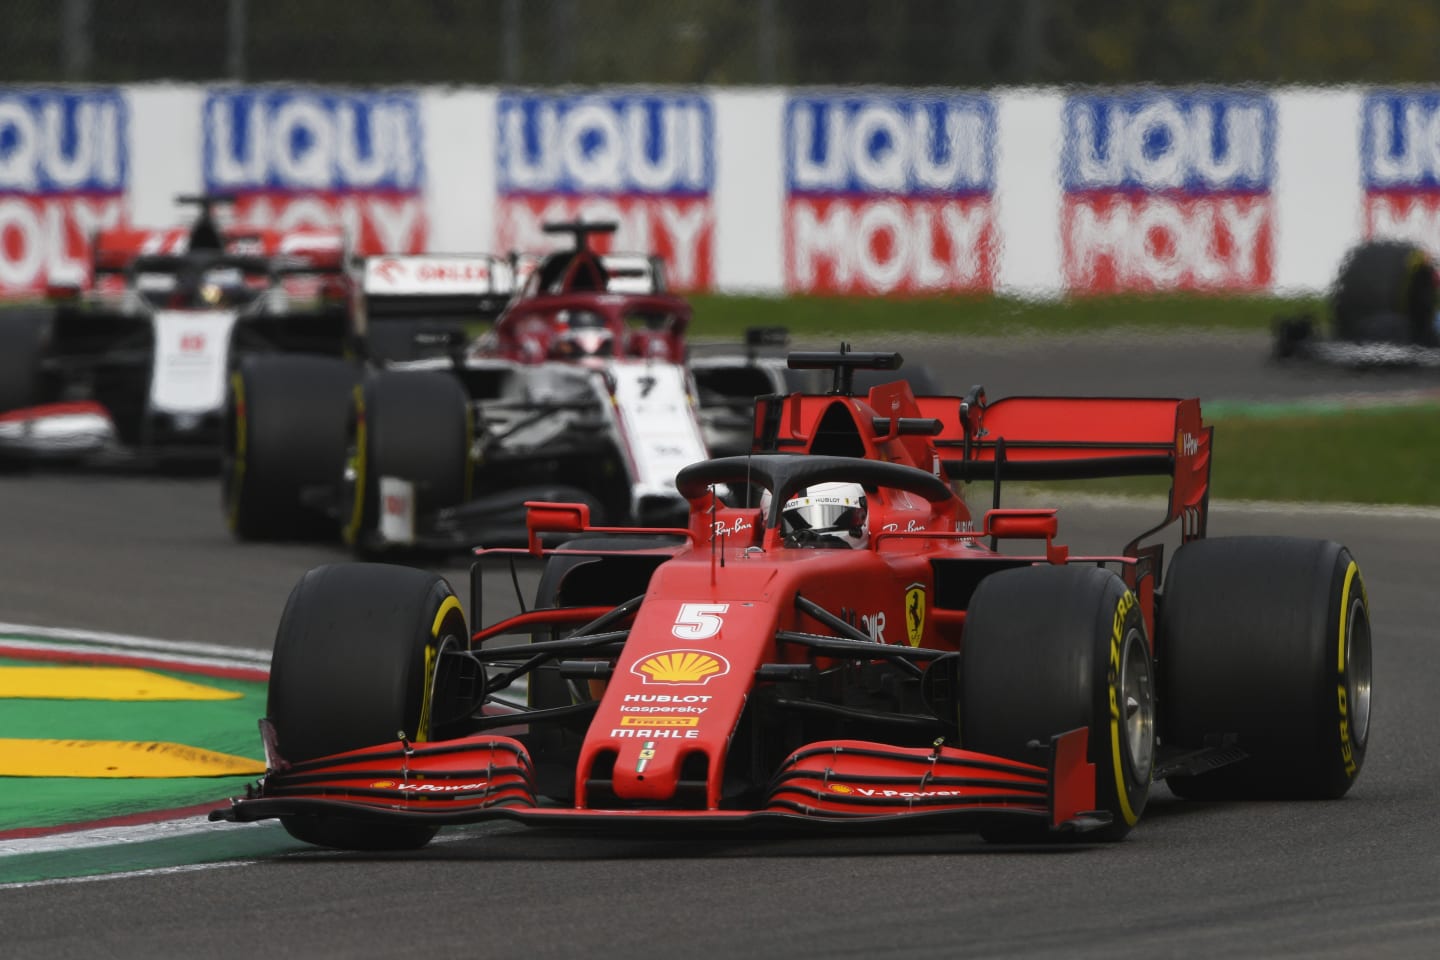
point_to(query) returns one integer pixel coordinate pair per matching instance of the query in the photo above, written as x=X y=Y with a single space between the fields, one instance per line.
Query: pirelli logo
x=659 y=721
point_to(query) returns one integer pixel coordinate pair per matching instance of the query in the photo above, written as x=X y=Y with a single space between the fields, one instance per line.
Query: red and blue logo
x=63 y=174
x=646 y=161
x=1168 y=191
x=1400 y=166
x=889 y=193
x=306 y=159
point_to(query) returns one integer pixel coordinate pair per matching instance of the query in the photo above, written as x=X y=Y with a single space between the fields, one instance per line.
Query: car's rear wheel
x=1265 y=645
x=355 y=665
x=22 y=339
x=413 y=427
x=283 y=443
x=1386 y=291
x=1050 y=649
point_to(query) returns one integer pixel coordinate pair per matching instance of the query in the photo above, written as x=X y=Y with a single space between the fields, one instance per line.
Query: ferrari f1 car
x=1383 y=313
x=133 y=365
x=578 y=390
x=850 y=651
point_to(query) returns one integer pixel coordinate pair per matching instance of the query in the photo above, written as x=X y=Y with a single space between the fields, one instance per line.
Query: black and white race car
x=132 y=365
x=579 y=389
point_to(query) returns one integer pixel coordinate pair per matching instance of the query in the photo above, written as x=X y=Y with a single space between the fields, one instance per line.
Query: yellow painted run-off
x=118 y=758
x=101 y=683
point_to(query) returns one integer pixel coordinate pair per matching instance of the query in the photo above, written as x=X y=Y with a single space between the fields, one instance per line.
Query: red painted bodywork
x=715 y=610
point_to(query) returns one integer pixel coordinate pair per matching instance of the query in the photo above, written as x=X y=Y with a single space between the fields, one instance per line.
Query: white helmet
x=827 y=514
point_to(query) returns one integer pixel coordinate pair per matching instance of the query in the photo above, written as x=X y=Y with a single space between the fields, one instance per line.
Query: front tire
x=1265 y=641
x=412 y=426
x=1046 y=650
x=355 y=664
x=283 y=437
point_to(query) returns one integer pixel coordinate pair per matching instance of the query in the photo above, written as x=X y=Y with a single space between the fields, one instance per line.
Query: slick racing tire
x=22 y=343
x=1265 y=642
x=283 y=445
x=355 y=663
x=1386 y=292
x=1049 y=649
x=410 y=425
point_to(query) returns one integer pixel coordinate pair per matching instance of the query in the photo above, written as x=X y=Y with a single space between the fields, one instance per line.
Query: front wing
x=828 y=785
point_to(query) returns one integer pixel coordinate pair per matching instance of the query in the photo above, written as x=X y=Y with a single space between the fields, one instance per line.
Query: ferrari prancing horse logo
x=915 y=613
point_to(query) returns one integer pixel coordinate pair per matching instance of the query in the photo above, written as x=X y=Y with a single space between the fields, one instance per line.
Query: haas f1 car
x=851 y=650
x=579 y=390
x=132 y=364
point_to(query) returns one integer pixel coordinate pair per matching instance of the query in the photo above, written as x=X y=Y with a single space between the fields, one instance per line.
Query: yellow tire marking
x=237 y=385
x=1351 y=572
x=101 y=683
x=118 y=759
x=432 y=652
x=1117 y=762
x=450 y=603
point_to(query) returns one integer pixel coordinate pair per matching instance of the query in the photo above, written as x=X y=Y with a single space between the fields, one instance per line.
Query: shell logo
x=681 y=667
x=383 y=785
x=840 y=788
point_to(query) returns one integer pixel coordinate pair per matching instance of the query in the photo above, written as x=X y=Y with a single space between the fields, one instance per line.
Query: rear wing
x=473 y=286
x=968 y=439
x=1078 y=438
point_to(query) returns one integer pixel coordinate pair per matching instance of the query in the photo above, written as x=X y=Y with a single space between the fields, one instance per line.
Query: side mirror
x=554 y=518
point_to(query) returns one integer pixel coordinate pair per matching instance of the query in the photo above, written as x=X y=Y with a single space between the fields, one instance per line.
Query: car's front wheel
x=356 y=660
x=1050 y=649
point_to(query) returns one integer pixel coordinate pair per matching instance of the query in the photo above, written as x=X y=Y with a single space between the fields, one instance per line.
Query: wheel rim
x=1137 y=698
x=1357 y=670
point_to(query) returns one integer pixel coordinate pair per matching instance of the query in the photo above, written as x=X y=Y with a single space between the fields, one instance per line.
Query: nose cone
x=676 y=694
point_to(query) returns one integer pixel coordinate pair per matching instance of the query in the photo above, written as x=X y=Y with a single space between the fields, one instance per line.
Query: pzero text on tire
x=1049 y=649
x=1265 y=643
x=355 y=664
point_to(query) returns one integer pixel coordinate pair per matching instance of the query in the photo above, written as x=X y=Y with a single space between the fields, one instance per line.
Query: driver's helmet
x=582 y=333
x=827 y=514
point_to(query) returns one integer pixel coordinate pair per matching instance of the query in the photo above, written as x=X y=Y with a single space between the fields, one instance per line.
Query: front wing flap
x=831 y=785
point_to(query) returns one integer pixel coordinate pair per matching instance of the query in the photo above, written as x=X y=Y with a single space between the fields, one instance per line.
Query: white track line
x=133 y=643
x=188 y=826
x=127 y=875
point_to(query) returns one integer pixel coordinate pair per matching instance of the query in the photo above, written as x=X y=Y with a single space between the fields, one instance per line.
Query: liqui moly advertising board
x=298 y=159
x=1168 y=190
x=889 y=193
x=1400 y=166
x=63 y=174
x=644 y=160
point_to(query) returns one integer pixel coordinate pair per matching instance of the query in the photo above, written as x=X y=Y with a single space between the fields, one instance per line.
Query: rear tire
x=1386 y=292
x=414 y=426
x=354 y=665
x=1267 y=640
x=22 y=343
x=284 y=434
x=1036 y=661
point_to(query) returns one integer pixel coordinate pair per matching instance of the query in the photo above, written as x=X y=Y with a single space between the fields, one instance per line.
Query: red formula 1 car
x=852 y=651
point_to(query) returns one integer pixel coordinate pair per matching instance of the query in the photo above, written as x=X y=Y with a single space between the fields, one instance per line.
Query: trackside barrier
x=1031 y=192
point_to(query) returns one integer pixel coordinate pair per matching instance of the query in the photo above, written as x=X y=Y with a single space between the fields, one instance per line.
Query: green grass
x=1382 y=455
x=727 y=316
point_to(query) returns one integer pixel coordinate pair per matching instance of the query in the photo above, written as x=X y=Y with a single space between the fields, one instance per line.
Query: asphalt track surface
x=1355 y=877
